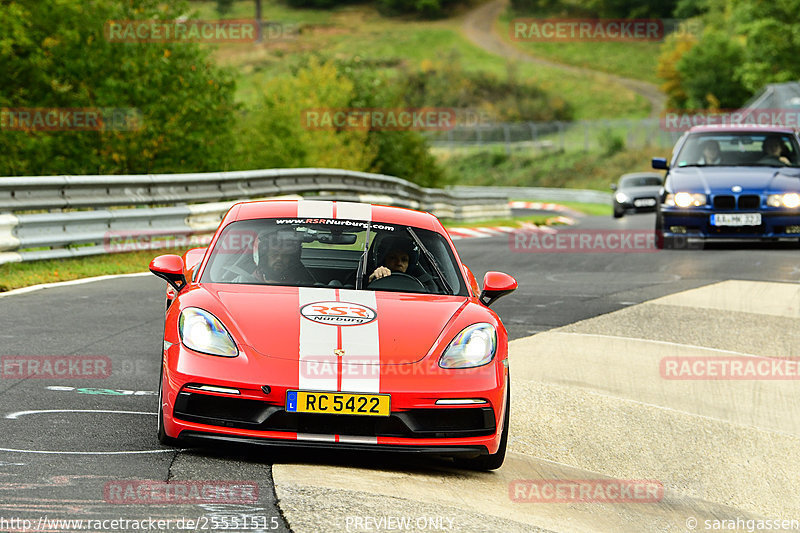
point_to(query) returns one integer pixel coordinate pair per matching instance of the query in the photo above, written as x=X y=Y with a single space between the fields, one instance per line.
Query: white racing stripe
x=316 y=437
x=353 y=211
x=361 y=347
x=314 y=209
x=355 y=439
x=317 y=360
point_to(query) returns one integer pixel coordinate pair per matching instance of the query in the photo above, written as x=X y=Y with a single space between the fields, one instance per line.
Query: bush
x=447 y=84
x=611 y=143
x=275 y=134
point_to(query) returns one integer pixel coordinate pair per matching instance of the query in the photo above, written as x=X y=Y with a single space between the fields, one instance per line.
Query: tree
x=280 y=132
x=708 y=73
x=770 y=38
x=673 y=49
x=55 y=55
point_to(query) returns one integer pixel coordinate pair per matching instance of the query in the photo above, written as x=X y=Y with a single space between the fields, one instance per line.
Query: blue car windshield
x=739 y=149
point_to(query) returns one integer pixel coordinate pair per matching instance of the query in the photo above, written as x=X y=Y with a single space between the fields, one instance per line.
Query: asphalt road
x=73 y=448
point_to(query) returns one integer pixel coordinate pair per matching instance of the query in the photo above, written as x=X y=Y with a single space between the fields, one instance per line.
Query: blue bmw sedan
x=730 y=182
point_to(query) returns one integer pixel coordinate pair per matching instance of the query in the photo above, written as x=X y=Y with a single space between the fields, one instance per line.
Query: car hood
x=368 y=327
x=721 y=179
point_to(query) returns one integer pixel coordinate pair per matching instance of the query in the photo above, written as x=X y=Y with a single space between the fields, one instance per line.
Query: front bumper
x=465 y=451
x=697 y=223
x=630 y=207
x=258 y=415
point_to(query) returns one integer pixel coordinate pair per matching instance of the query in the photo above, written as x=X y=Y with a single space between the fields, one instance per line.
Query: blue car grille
x=724 y=201
x=745 y=201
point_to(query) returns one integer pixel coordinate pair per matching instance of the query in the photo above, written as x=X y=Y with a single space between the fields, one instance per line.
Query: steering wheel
x=398 y=281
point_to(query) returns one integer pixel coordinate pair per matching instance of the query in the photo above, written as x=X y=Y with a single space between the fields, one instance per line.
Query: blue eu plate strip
x=291 y=401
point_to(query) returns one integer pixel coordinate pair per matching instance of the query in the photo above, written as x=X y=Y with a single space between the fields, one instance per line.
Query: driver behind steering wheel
x=395 y=256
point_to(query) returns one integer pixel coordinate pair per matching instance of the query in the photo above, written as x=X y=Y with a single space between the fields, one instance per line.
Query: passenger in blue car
x=774 y=152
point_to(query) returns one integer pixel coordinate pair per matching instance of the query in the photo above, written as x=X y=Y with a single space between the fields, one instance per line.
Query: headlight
x=685 y=199
x=621 y=197
x=203 y=332
x=790 y=200
x=473 y=346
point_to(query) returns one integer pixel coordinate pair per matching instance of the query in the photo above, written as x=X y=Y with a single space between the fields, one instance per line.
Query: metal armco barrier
x=551 y=194
x=96 y=229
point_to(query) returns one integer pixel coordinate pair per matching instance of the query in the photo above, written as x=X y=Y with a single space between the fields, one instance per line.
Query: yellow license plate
x=338 y=403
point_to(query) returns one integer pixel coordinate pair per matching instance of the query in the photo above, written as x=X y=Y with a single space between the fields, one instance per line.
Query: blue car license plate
x=736 y=219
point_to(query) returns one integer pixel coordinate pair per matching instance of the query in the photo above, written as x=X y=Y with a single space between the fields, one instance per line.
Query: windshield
x=646 y=181
x=739 y=149
x=328 y=253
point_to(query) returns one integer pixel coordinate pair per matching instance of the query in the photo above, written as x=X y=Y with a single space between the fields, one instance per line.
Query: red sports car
x=336 y=324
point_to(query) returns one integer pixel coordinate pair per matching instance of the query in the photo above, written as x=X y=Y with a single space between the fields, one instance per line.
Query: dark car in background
x=730 y=182
x=636 y=193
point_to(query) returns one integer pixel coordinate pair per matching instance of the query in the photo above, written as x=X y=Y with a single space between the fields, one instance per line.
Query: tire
x=661 y=241
x=163 y=438
x=495 y=460
x=659 y=234
x=618 y=213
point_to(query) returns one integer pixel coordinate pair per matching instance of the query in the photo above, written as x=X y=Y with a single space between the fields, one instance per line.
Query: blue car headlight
x=790 y=200
x=685 y=199
x=203 y=332
x=474 y=346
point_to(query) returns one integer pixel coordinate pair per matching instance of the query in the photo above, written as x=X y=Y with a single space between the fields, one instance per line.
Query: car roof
x=325 y=208
x=738 y=128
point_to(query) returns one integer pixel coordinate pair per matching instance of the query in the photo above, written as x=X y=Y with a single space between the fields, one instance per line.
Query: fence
x=571 y=136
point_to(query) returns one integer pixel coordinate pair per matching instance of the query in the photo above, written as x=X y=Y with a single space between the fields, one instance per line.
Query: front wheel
x=495 y=460
x=661 y=241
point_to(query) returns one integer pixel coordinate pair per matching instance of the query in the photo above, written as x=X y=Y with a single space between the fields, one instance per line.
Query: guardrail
x=145 y=224
x=586 y=196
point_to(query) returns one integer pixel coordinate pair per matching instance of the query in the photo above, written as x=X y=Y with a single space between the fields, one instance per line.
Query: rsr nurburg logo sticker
x=338 y=313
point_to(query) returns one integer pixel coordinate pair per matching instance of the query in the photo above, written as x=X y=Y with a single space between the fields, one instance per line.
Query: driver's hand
x=380 y=272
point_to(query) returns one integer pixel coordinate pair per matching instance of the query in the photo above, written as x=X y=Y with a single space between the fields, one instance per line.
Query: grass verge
x=17 y=275
x=580 y=207
x=631 y=59
x=534 y=219
x=578 y=170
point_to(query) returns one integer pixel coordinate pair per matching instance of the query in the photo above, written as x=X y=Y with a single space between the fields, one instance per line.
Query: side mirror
x=170 y=268
x=495 y=285
x=659 y=163
x=613 y=186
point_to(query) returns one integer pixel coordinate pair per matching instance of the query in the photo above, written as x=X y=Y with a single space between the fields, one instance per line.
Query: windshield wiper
x=362 y=263
x=431 y=260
